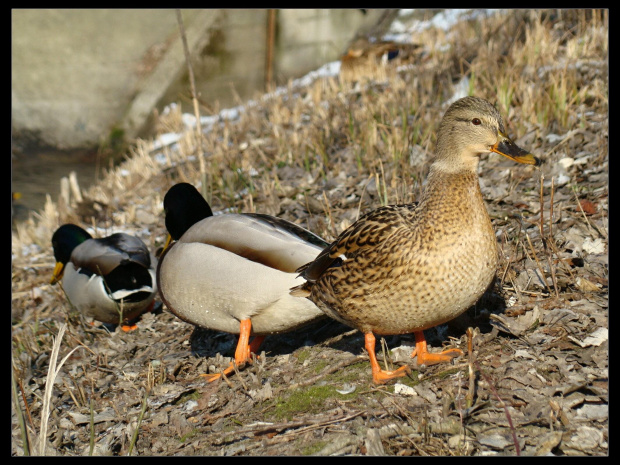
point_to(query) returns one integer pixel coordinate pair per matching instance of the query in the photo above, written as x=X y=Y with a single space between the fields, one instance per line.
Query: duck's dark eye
x=476 y=121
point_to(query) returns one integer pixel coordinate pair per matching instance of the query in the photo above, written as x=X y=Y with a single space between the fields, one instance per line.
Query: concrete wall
x=79 y=75
x=231 y=64
x=310 y=38
x=74 y=70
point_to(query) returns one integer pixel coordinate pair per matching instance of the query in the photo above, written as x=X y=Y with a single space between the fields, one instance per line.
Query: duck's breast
x=89 y=296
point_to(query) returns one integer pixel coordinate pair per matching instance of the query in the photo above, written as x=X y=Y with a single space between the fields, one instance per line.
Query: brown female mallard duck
x=233 y=272
x=104 y=277
x=403 y=268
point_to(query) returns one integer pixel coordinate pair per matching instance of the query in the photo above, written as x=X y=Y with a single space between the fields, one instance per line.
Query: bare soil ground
x=534 y=380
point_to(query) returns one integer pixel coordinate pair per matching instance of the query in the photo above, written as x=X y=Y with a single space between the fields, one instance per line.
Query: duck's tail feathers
x=303 y=290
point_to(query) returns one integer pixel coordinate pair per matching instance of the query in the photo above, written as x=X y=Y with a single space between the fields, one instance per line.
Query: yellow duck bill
x=506 y=147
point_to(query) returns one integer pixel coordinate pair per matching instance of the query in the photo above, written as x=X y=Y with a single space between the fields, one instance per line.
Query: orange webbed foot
x=424 y=357
x=380 y=376
x=129 y=327
x=383 y=376
x=211 y=377
x=244 y=351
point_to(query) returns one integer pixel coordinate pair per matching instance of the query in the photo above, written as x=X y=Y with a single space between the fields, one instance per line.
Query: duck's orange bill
x=57 y=275
x=506 y=147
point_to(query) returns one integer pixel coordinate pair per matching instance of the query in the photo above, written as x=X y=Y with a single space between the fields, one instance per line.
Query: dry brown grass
x=321 y=155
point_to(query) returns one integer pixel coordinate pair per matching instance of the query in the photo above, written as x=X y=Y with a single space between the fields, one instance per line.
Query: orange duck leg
x=244 y=351
x=425 y=357
x=380 y=376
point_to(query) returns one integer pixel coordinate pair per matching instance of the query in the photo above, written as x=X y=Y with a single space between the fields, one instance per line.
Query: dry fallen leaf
x=588 y=207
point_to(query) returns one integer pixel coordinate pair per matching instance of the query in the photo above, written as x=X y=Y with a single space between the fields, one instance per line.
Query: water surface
x=37 y=173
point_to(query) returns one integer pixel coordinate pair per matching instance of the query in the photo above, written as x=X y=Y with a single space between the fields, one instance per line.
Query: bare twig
x=542 y=232
x=91 y=445
x=337 y=338
x=26 y=407
x=20 y=416
x=305 y=425
x=503 y=405
x=470 y=365
x=330 y=370
x=271 y=33
x=192 y=84
x=540 y=268
x=542 y=208
x=590 y=225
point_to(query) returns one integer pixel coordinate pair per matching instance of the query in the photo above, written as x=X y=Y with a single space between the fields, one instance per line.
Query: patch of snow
x=189 y=120
x=327 y=70
x=160 y=158
x=446 y=19
x=461 y=89
x=397 y=27
x=166 y=139
x=401 y=30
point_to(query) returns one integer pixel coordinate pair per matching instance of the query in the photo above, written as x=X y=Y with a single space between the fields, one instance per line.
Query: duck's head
x=471 y=127
x=65 y=239
x=183 y=207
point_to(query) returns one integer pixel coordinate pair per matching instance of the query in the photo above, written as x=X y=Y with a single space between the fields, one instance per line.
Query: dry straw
x=52 y=373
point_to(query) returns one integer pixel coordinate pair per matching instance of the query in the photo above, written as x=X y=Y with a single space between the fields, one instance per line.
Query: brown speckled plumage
x=404 y=268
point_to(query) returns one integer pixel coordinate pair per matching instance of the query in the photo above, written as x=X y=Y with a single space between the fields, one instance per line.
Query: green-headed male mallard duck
x=233 y=272
x=403 y=268
x=102 y=277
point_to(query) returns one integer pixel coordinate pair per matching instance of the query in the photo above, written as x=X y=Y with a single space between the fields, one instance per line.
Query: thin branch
x=192 y=84
x=503 y=404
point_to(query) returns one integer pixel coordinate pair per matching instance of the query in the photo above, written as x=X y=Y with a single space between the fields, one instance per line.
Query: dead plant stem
x=590 y=228
x=540 y=268
x=20 y=415
x=91 y=443
x=542 y=232
x=26 y=407
x=328 y=211
x=470 y=365
x=52 y=373
x=134 y=437
x=503 y=405
x=192 y=84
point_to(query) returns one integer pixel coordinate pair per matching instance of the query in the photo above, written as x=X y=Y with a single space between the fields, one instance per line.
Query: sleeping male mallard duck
x=403 y=268
x=233 y=272
x=102 y=277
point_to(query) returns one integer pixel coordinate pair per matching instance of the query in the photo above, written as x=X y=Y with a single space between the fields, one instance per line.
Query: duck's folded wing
x=101 y=256
x=273 y=242
x=290 y=228
x=369 y=231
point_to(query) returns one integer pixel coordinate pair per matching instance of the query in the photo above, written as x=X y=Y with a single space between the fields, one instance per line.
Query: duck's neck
x=453 y=193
